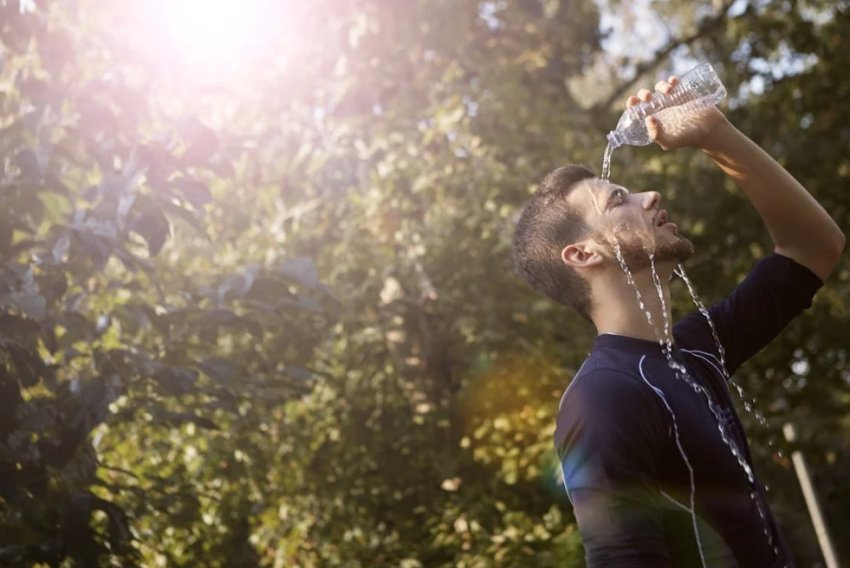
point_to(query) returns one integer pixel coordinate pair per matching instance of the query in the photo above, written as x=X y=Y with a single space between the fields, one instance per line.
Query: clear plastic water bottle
x=698 y=88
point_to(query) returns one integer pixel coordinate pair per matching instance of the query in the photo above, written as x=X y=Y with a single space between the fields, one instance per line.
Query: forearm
x=800 y=228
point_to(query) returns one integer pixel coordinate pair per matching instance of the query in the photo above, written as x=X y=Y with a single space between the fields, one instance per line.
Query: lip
x=661 y=219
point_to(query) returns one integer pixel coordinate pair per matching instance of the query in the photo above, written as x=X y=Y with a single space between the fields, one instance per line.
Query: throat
x=647 y=318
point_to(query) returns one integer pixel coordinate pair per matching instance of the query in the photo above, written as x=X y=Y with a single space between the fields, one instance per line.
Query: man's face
x=634 y=221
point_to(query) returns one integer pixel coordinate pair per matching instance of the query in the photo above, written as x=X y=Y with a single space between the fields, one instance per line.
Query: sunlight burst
x=214 y=36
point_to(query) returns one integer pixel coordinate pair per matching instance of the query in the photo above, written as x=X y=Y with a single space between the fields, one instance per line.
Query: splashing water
x=749 y=403
x=657 y=281
x=680 y=272
x=622 y=261
x=665 y=341
x=606 y=162
x=692 y=509
x=681 y=373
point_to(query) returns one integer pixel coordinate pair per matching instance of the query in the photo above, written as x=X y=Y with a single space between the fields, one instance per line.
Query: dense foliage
x=265 y=314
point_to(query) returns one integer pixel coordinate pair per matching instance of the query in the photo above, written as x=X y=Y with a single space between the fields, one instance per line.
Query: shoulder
x=788 y=280
x=775 y=291
x=604 y=397
x=597 y=379
x=782 y=266
x=610 y=423
x=600 y=380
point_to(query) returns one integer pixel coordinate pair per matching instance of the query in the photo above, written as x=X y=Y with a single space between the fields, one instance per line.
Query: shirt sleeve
x=777 y=290
x=609 y=435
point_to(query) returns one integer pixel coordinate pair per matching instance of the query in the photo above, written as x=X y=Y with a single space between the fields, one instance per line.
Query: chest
x=704 y=431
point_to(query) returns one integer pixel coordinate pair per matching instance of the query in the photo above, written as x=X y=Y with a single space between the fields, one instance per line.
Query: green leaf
x=32 y=305
x=195 y=192
x=178 y=418
x=201 y=140
x=228 y=318
x=190 y=217
x=298 y=373
x=237 y=285
x=32 y=165
x=221 y=370
x=21 y=330
x=305 y=303
x=301 y=270
x=120 y=535
x=154 y=227
x=175 y=380
x=60 y=248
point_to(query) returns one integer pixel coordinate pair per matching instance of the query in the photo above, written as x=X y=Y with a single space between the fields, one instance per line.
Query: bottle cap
x=615 y=139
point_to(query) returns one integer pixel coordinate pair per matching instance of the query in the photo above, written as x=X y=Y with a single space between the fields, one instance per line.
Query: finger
x=631 y=101
x=663 y=87
x=644 y=94
x=653 y=128
x=673 y=80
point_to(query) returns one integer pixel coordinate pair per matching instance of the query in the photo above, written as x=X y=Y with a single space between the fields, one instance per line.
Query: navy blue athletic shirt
x=620 y=453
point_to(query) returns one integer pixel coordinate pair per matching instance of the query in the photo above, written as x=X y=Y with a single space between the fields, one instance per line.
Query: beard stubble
x=636 y=250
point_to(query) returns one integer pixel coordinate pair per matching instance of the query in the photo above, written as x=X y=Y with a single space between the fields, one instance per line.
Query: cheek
x=631 y=230
x=621 y=223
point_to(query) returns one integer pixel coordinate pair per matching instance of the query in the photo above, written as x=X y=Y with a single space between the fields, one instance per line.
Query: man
x=654 y=457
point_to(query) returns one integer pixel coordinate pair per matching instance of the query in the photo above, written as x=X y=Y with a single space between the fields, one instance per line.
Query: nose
x=651 y=199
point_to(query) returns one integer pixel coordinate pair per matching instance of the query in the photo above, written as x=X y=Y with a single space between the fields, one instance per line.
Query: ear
x=584 y=254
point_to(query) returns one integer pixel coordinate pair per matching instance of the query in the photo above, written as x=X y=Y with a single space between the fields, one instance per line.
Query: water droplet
x=681 y=372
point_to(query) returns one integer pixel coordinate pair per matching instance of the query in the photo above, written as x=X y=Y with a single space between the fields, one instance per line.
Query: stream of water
x=749 y=403
x=606 y=162
x=665 y=340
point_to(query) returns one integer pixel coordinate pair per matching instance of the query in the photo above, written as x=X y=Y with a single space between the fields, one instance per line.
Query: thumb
x=653 y=127
x=656 y=131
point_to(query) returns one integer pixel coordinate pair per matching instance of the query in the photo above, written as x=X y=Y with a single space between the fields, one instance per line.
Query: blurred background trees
x=258 y=306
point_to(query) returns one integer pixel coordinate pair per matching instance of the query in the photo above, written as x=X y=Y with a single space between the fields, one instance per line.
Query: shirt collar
x=632 y=345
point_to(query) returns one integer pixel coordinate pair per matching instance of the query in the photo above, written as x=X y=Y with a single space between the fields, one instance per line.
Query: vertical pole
x=811 y=500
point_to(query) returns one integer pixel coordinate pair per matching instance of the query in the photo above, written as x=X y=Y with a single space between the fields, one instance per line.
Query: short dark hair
x=547 y=224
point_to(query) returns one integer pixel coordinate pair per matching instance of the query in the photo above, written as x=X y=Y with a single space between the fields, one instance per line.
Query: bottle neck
x=615 y=139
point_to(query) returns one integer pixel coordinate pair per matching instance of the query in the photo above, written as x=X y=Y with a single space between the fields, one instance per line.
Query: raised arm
x=800 y=228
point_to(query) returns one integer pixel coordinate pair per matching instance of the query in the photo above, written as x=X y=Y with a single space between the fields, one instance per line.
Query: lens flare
x=211 y=29
x=210 y=39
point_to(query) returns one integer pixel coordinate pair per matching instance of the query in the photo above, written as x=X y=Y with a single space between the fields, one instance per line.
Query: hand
x=672 y=128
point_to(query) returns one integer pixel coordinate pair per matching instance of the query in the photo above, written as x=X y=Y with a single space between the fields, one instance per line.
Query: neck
x=620 y=312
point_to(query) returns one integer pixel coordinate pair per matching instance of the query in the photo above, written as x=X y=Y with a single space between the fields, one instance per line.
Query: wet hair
x=548 y=224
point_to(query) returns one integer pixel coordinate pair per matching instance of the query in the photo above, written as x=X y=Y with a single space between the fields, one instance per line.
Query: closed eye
x=618 y=197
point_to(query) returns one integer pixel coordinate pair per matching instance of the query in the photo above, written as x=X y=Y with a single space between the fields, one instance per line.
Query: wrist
x=719 y=137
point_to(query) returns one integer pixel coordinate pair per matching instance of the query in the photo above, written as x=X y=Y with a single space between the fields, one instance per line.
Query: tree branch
x=705 y=26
